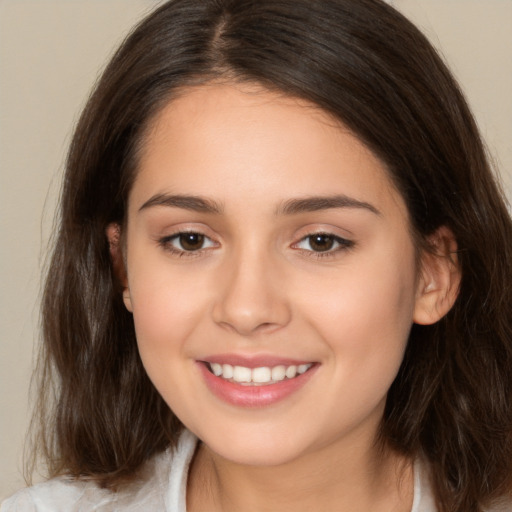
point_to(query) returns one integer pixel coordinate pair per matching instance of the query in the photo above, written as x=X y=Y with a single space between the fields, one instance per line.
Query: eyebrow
x=290 y=207
x=193 y=203
x=317 y=203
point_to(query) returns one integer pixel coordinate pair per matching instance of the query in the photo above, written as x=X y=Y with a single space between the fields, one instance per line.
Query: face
x=271 y=274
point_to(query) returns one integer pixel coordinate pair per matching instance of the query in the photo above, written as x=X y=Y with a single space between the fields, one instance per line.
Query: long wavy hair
x=364 y=63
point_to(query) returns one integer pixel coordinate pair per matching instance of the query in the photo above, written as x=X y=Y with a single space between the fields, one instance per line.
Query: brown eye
x=191 y=241
x=187 y=243
x=321 y=242
x=318 y=243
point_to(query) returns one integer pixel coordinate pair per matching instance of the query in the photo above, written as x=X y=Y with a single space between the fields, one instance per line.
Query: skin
x=258 y=286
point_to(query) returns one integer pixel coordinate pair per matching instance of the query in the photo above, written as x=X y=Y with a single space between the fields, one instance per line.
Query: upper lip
x=254 y=361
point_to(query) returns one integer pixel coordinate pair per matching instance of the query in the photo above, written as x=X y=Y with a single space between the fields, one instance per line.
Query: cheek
x=166 y=310
x=167 y=307
x=364 y=315
x=364 y=320
x=376 y=293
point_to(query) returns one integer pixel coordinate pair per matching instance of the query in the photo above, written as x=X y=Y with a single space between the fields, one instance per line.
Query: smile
x=264 y=375
x=257 y=382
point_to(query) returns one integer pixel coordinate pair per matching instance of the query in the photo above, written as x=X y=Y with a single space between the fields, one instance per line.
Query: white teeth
x=261 y=375
x=303 y=368
x=278 y=373
x=227 y=371
x=291 y=371
x=216 y=369
x=242 y=374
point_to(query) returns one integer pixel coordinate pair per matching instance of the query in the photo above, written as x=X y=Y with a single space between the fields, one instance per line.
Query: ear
x=439 y=281
x=113 y=233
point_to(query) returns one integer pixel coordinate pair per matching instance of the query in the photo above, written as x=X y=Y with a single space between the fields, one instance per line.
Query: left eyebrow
x=317 y=203
x=186 y=202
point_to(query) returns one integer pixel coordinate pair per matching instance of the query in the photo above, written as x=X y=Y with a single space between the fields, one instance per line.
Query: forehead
x=220 y=139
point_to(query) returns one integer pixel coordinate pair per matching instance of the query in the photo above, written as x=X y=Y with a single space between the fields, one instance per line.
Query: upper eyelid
x=334 y=231
x=174 y=232
x=184 y=232
x=325 y=229
x=166 y=243
x=340 y=239
x=173 y=236
x=302 y=236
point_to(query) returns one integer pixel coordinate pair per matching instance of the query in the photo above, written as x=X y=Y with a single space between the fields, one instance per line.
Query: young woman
x=282 y=279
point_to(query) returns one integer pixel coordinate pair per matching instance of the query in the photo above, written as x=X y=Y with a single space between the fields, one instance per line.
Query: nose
x=252 y=295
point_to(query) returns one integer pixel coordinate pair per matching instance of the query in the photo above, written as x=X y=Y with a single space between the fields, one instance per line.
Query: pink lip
x=253 y=396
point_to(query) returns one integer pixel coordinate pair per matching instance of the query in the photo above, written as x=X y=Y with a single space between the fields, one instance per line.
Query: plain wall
x=51 y=52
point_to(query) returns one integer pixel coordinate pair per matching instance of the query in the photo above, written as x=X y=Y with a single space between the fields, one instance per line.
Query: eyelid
x=342 y=244
x=166 y=242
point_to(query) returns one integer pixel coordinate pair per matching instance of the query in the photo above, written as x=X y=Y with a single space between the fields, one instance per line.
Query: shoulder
x=151 y=491
x=74 y=495
x=60 y=493
x=423 y=497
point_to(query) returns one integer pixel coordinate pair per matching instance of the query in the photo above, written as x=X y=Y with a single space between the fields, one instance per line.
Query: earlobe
x=127 y=300
x=438 y=285
x=113 y=233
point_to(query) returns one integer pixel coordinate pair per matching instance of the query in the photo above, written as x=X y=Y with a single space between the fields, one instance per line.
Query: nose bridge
x=252 y=296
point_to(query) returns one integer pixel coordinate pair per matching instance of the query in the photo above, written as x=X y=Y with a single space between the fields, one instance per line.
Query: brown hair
x=364 y=63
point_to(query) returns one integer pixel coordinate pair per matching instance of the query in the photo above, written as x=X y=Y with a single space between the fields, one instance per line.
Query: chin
x=249 y=448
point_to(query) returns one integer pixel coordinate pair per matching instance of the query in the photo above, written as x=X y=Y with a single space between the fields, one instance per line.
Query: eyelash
x=166 y=243
x=342 y=245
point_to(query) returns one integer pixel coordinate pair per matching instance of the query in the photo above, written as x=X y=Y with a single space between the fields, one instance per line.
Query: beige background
x=51 y=52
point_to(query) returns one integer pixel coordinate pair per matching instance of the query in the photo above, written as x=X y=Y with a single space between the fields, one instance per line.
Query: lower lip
x=253 y=396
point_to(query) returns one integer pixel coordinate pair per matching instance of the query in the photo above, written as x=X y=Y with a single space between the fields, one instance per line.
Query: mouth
x=255 y=382
x=261 y=376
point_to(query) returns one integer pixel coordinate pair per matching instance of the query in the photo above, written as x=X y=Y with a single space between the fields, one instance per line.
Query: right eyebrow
x=317 y=203
x=193 y=203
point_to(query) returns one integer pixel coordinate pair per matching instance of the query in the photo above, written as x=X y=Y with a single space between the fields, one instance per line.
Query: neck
x=344 y=478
